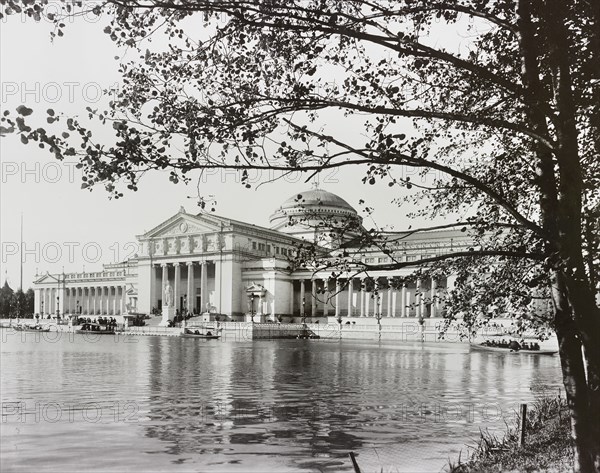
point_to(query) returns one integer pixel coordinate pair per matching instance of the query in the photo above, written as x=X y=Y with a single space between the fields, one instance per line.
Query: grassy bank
x=547 y=447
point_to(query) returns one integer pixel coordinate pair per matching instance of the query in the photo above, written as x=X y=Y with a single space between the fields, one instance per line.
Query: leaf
x=5 y=131
x=23 y=110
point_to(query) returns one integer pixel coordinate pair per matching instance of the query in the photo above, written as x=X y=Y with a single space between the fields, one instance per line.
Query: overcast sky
x=65 y=226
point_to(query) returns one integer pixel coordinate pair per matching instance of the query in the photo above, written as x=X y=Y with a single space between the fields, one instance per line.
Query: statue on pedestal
x=168 y=309
x=168 y=295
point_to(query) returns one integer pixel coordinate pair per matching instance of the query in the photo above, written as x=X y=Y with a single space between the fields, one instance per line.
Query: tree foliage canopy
x=500 y=98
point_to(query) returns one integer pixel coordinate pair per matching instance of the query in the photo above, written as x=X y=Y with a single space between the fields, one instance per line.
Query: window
x=261 y=247
x=411 y=258
x=284 y=251
x=268 y=248
x=382 y=260
x=369 y=260
x=276 y=250
x=254 y=245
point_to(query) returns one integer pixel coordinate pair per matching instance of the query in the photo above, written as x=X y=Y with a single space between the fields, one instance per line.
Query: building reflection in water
x=311 y=402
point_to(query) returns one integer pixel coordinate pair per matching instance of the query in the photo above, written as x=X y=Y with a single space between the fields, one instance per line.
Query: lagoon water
x=110 y=404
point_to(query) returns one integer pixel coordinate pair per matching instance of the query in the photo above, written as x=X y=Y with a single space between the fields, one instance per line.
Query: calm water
x=170 y=404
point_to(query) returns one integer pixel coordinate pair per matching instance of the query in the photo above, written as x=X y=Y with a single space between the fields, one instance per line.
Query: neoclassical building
x=237 y=270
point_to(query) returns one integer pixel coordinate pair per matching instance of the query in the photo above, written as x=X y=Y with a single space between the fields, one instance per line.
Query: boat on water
x=189 y=333
x=95 y=329
x=31 y=328
x=521 y=351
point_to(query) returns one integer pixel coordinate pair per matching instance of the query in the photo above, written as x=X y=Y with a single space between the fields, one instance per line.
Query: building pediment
x=45 y=278
x=182 y=224
x=255 y=289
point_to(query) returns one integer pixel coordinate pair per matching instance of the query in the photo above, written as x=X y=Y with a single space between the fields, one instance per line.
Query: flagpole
x=21 y=256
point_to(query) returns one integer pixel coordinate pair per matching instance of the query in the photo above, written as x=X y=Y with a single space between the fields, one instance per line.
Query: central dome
x=316 y=198
x=313 y=213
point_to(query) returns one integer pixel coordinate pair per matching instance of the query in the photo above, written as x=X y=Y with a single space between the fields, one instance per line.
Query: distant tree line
x=16 y=303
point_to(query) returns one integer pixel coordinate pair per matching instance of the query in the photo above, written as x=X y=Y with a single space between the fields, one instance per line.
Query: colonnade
x=185 y=286
x=83 y=300
x=323 y=297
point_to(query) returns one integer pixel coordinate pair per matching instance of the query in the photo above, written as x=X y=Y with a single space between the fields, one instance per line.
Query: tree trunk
x=581 y=401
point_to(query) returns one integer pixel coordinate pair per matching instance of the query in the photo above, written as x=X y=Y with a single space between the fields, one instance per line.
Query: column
x=367 y=303
x=313 y=302
x=389 y=302
x=394 y=301
x=362 y=297
x=338 y=288
x=116 y=300
x=260 y=304
x=418 y=297
x=433 y=297
x=123 y=299
x=422 y=308
x=153 y=291
x=218 y=284
x=404 y=301
x=190 y=287
x=203 y=287
x=407 y=304
x=350 y=290
x=106 y=291
x=292 y=297
x=302 y=297
x=177 y=286
x=438 y=302
x=94 y=300
x=165 y=281
x=88 y=300
x=326 y=297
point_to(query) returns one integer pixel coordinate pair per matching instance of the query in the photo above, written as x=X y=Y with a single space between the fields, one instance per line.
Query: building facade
x=239 y=271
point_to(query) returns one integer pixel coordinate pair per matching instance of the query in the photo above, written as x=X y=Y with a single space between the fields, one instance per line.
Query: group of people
x=110 y=322
x=512 y=345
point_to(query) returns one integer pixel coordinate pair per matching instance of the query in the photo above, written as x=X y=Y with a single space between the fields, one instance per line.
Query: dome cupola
x=313 y=214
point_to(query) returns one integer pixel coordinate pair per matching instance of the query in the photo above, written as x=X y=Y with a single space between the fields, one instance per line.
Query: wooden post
x=354 y=463
x=523 y=423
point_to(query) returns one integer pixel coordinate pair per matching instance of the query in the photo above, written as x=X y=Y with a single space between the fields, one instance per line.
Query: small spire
x=315 y=183
x=182 y=210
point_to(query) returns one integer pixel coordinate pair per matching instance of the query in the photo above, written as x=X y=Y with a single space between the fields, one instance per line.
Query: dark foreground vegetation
x=548 y=445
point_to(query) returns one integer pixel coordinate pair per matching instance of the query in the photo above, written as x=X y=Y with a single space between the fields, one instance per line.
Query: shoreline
x=547 y=446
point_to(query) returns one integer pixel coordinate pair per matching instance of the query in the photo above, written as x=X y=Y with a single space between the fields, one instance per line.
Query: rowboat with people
x=208 y=335
x=95 y=329
x=31 y=328
x=513 y=347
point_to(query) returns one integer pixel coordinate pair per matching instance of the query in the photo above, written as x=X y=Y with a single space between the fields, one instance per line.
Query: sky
x=67 y=228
